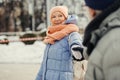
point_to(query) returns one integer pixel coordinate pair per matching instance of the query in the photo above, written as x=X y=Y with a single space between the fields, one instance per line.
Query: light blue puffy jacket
x=57 y=63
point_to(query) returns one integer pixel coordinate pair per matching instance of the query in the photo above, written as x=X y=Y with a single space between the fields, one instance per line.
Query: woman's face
x=57 y=18
x=93 y=13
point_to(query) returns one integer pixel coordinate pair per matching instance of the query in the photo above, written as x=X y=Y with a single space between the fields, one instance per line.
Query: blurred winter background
x=18 y=52
x=23 y=19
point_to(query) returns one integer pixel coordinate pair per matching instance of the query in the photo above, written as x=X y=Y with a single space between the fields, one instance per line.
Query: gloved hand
x=77 y=52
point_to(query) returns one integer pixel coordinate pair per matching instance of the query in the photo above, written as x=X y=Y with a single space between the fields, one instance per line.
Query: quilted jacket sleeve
x=75 y=39
x=75 y=44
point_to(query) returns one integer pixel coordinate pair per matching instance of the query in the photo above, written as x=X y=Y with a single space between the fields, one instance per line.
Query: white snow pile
x=18 y=52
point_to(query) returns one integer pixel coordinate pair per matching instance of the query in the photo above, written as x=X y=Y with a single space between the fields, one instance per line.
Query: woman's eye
x=53 y=16
x=60 y=15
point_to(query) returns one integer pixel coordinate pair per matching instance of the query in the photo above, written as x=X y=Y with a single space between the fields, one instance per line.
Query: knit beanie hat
x=99 y=4
x=62 y=9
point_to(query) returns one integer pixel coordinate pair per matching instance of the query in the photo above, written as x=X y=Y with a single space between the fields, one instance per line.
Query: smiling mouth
x=58 y=22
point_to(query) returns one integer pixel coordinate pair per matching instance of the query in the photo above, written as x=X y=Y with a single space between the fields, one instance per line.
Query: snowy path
x=18 y=52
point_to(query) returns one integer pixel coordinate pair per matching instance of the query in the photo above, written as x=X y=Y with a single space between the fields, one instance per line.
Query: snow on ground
x=18 y=52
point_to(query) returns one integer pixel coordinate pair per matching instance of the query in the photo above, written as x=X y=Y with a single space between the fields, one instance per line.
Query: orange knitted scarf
x=58 y=32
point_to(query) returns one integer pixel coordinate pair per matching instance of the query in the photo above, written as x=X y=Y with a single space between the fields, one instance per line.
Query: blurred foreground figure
x=102 y=40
